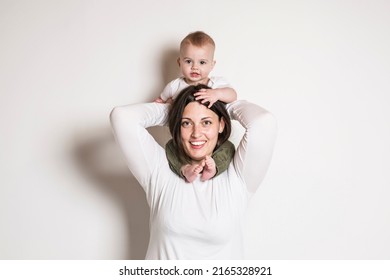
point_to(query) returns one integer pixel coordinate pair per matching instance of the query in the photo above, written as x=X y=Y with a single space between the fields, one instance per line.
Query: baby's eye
x=188 y=61
x=203 y=62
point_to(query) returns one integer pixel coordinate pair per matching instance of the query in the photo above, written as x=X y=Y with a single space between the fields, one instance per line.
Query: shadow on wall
x=169 y=68
x=100 y=160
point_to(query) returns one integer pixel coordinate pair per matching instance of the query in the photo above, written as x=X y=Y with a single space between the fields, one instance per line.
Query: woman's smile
x=197 y=144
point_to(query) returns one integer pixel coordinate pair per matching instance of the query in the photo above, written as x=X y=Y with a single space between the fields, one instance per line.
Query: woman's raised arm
x=254 y=152
x=141 y=151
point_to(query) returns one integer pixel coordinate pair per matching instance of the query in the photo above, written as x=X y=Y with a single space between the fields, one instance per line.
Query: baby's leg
x=191 y=171
x=209 y=169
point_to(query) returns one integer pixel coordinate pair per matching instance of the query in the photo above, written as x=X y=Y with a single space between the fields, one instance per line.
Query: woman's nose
x=196 y=132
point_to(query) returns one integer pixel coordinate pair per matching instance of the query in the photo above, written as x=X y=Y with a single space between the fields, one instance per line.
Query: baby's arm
x=225 y=94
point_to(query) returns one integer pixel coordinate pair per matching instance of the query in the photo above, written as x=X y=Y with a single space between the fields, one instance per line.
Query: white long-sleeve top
x=199 y=220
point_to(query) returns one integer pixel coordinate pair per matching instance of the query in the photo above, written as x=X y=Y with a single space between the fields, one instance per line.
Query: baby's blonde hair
x=197 y=38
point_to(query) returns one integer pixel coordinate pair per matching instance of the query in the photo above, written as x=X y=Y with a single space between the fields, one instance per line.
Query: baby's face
x=196 y=63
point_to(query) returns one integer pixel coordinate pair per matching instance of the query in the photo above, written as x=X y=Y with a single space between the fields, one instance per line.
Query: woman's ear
x=221 y=125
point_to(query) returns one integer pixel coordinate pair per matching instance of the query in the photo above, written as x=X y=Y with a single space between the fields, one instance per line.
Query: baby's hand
x=209 y=169
x=191 y=171
x=207 y=95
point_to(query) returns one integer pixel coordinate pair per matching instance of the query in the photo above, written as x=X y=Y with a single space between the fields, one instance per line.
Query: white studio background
x=322 y=68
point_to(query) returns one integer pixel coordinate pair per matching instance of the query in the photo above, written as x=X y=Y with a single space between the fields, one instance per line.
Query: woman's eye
x=185 y=124
x=207 y=123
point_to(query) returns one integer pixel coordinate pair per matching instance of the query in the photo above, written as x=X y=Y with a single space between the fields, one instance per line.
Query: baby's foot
x=209 y=169
x=191 y=171
x=159 y=100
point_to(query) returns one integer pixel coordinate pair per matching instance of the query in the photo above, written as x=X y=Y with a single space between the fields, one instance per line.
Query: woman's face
x=199 y=130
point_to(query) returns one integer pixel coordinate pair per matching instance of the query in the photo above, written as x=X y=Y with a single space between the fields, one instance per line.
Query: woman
x=201 y=220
